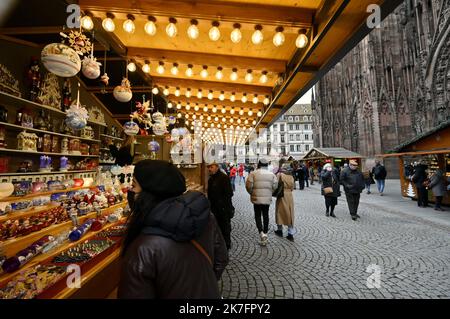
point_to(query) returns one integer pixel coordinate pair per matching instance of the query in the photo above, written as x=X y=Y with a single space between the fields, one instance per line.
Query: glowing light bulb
x=150 y=27
x=214 y=109
x=214 y=32
x=189 y=72
x=131 y=67
x=222 y=96
x=199 y=94
x=255 y=100
x=223 y=111
x=232 y=111
x=257 y=36
x=155 y=90
x=246 y=122
x=249 y=76
x=146 y=68
x=174 y=69
x=188 y=93
x=258 y=114
x=179 y=106
x=231 y=120
x=241 y=112
x=128 y=25
x=232 y=97
x=278 y=38
x=209 y=118
x=179 y=115
x=224 y=119
x=171 y=28
x=169 y=105
x=244 y=98
x=236 y=35
x=302 y=39
x=205 y=109
x=166 y=91
x=234 y=75
x=87 y=23
x=204 y=72
x=250 y=113
x=192 y=31
x=210 y=95
x=177 y=92
x=188 y=107
x=254 y=122
x=160 y=69
x=196 y=108
x=219 y=74
x=216 y=119
x=239 y=121
x=108 y=24
x=266 y=100
x=263 y=78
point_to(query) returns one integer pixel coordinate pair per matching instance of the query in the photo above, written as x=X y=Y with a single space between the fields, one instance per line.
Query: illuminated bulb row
x=193 y=31
x=214 y=109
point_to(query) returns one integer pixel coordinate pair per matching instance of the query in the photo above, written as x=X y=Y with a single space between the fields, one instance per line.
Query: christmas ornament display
x=61 y=60
x=131 y=128
x=122 y=93
x=91 y=68
x=50 y=93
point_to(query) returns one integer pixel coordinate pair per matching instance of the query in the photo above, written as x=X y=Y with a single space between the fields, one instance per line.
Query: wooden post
x=403 y=182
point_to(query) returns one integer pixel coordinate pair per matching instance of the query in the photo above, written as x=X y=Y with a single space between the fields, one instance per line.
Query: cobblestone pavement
x=329 y=257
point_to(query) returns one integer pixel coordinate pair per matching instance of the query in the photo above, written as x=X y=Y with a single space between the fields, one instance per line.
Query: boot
x=327 y=214
x=332 y=214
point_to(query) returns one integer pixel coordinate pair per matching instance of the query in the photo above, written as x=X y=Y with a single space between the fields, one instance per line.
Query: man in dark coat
x=419 y=178
x=353 y=181
x=219 y=195
x=379 y=172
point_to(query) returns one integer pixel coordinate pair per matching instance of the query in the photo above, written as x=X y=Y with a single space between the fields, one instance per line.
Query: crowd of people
x=172 y=231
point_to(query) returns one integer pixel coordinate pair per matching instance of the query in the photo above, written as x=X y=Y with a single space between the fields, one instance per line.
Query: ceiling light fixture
x=188 y=93
x=263 y=78
x=108 y=23
x=192 y=31
x=177 y=91
x=219 y=74
x=174 y=69
x=131 y=67
x=189 y=72
x=214 y=32
x=128 y=25
x=87 y=23
x=155 y=89
x=257 y=36
x=160 y=69
x=204 y=72
x=244 y=98
x=278 y=38
x=150 y=27
x=302 y=39
x=171 y=28
x=199 y=94
x=146 y=68
x=234 y=75
x=266 y=100
x=236 y=35
x=249 y=76
x=232 y=97
x=222 y=96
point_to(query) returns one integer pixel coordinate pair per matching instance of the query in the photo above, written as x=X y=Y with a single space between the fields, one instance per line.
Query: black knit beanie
x=160 y=178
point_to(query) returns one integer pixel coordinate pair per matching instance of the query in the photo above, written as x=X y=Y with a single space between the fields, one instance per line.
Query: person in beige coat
x=284 y=210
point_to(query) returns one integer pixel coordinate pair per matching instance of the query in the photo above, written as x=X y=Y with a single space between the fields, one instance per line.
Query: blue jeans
x=380 y=185
x=232 y=179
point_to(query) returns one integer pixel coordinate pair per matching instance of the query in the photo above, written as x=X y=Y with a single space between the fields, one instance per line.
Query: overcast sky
x=305 y=99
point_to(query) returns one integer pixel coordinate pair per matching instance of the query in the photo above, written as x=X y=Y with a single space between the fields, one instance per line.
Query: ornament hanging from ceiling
x=143 y=116
x=50 y=93
x=131 y=128
x=122 y=93
x=153 y=147
x=78 y=41
x=61 y=60
x=77 y=115
x=91 y=68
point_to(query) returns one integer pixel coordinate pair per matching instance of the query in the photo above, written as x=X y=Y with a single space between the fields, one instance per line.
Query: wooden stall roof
x=334 y=152
x=333 y=27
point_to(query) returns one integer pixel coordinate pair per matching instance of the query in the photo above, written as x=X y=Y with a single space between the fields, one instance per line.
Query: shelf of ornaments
x=32 y=152
x=112 y=137
x=11 y=100
x=49 y=173
x=13 y=246
x=38 y=194
x=22 y=128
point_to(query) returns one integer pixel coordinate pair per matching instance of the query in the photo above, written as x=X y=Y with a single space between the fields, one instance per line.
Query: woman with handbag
x=330 y=188
x=284 y=209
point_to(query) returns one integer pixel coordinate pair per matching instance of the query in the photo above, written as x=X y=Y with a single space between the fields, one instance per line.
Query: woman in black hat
x=173 y=247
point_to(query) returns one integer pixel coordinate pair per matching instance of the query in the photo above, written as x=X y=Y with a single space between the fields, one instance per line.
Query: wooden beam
x=205 y=86
x=226 y=61
x=206 y=9
x=31 y=30
x=20 y=41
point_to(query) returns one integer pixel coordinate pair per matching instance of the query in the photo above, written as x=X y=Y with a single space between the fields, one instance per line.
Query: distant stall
x=336 y=155
x=431 y=148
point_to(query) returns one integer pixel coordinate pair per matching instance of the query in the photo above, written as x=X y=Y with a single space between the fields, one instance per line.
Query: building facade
x=393 y=86
x=292 y=134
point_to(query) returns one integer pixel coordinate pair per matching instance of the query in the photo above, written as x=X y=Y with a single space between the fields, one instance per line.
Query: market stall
x=338 y=156
x=432 y=149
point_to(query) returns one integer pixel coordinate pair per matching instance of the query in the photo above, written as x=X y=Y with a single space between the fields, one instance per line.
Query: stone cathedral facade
x=393 y=86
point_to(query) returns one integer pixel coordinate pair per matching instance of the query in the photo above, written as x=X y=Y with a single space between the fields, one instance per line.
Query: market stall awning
x=238 y=62
x=331 y=152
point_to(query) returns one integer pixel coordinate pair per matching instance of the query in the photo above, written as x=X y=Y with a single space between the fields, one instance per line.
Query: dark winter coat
x=437 y=184
x=379 y=172
x=352 y=180
x=331 y=179
x=162 y=262
x=420 y=175
x=220 y=194
x=123 y=155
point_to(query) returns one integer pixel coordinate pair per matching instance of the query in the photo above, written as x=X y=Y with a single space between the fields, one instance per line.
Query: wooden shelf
x=16 y=244
x=28 y=212
x=105 y=149
x=112 y=137
x=21 y=128
x=47 y=173
x=15 y=101
x=18 y=198
x=43 y=153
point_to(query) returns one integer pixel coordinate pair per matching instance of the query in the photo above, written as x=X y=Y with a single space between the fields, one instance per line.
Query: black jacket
x=420 y=175
x=162 y=262
x=220 y=194
x=379 y=172
x=331 y=179
x=123 y=155
x=352 y=180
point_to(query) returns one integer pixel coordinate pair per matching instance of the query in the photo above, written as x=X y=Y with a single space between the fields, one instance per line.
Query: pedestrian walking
x=306 y=174
x=368 y=180
x=220 y=196
x=284 y=209
x=331 y=188
x=379 y=172
x=311 y=174
x=241 y=173
x=437 y=186
x=260 y=185
x=420 y=179
x=353 y=181
x=233 y=173
x=301 y=177
x=319 y=173
x=173 y=248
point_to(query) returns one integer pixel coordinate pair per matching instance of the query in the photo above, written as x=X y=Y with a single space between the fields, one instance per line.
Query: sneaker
x=290 y=237
x=263 y=238
x=279 y=233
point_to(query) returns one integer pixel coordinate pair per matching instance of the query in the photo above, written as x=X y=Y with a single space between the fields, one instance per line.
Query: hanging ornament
x=122 y=93
x=158 y=117
x=91 y=68
x=105 y=79
x=153 y=147
x=77 y=115
x=172 y=120
x=131 y=128
x=159 y=129
x=78 y=41
x=61 y=60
